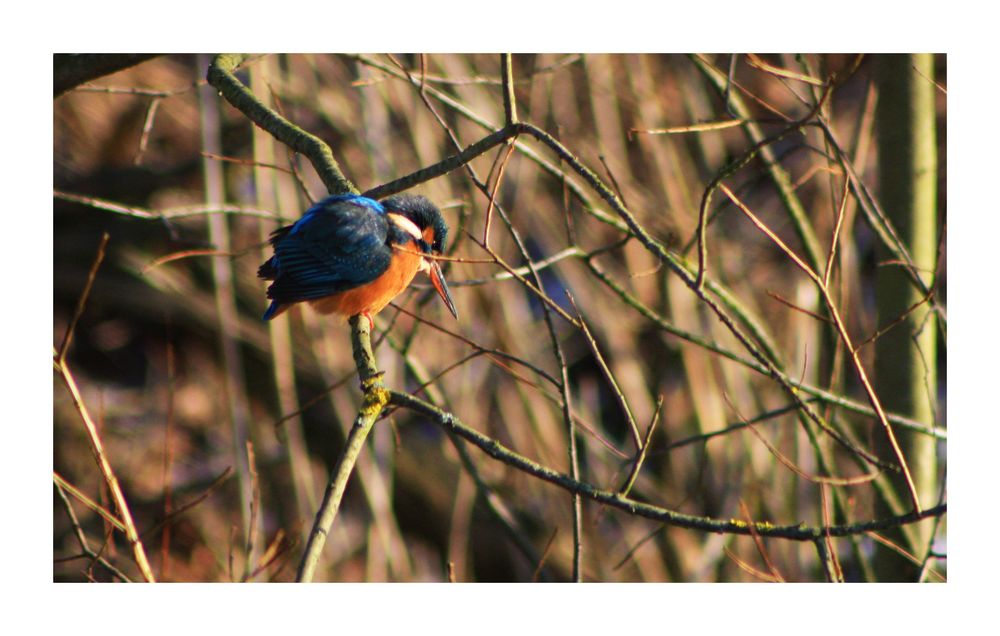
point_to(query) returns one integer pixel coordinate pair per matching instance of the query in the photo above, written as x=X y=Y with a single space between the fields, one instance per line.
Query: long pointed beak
x=437 y=278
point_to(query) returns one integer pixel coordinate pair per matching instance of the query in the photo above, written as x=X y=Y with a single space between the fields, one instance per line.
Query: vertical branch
x=567 y=407
x=510 y=110
x=248 y=566
x=906 y=357
x=574 y=460
x=375 y=398
x=506 y=77
x=827 y=551
x=266 y=188
x=225 y=298
x=168 y=460
x=830 y=570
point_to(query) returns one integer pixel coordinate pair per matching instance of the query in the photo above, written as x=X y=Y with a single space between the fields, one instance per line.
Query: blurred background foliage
x=179 y=371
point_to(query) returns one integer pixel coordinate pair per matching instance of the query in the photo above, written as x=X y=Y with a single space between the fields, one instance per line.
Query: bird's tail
x=275 y=309
x=268 y=271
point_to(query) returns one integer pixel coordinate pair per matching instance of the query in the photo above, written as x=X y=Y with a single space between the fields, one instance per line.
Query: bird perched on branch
x=350 y=255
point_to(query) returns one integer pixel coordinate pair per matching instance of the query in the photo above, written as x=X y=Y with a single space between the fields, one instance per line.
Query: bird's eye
x=424 y=247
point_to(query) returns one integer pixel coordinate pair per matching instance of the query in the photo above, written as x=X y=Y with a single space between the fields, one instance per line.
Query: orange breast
x=374 y=296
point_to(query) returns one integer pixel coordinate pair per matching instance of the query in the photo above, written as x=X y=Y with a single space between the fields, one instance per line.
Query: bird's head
x=430 y=238
x=424 y=214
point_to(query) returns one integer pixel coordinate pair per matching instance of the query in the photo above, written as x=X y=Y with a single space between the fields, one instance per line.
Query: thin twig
x=836 y=233
x=609 y=376
x=545 y=554
x=240 y=161
x=901 y=552
x=132 y=90
x=690 y=128
x=479 y=79
x=494 y=192
x=572 y=251
x=166 y=214
x=82 y=302
x=188 y=505
x=103 y=512
x=147 y=128
x=775 y=574
x=640 y=457
x=758 y=63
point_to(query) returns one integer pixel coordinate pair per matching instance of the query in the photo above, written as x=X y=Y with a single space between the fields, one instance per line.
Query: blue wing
x=337 y=245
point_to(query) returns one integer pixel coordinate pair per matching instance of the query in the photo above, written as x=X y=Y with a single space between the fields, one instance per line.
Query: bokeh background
x=222 y=429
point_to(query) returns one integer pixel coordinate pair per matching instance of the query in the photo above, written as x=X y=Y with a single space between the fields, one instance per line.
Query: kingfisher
x=349 y=254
